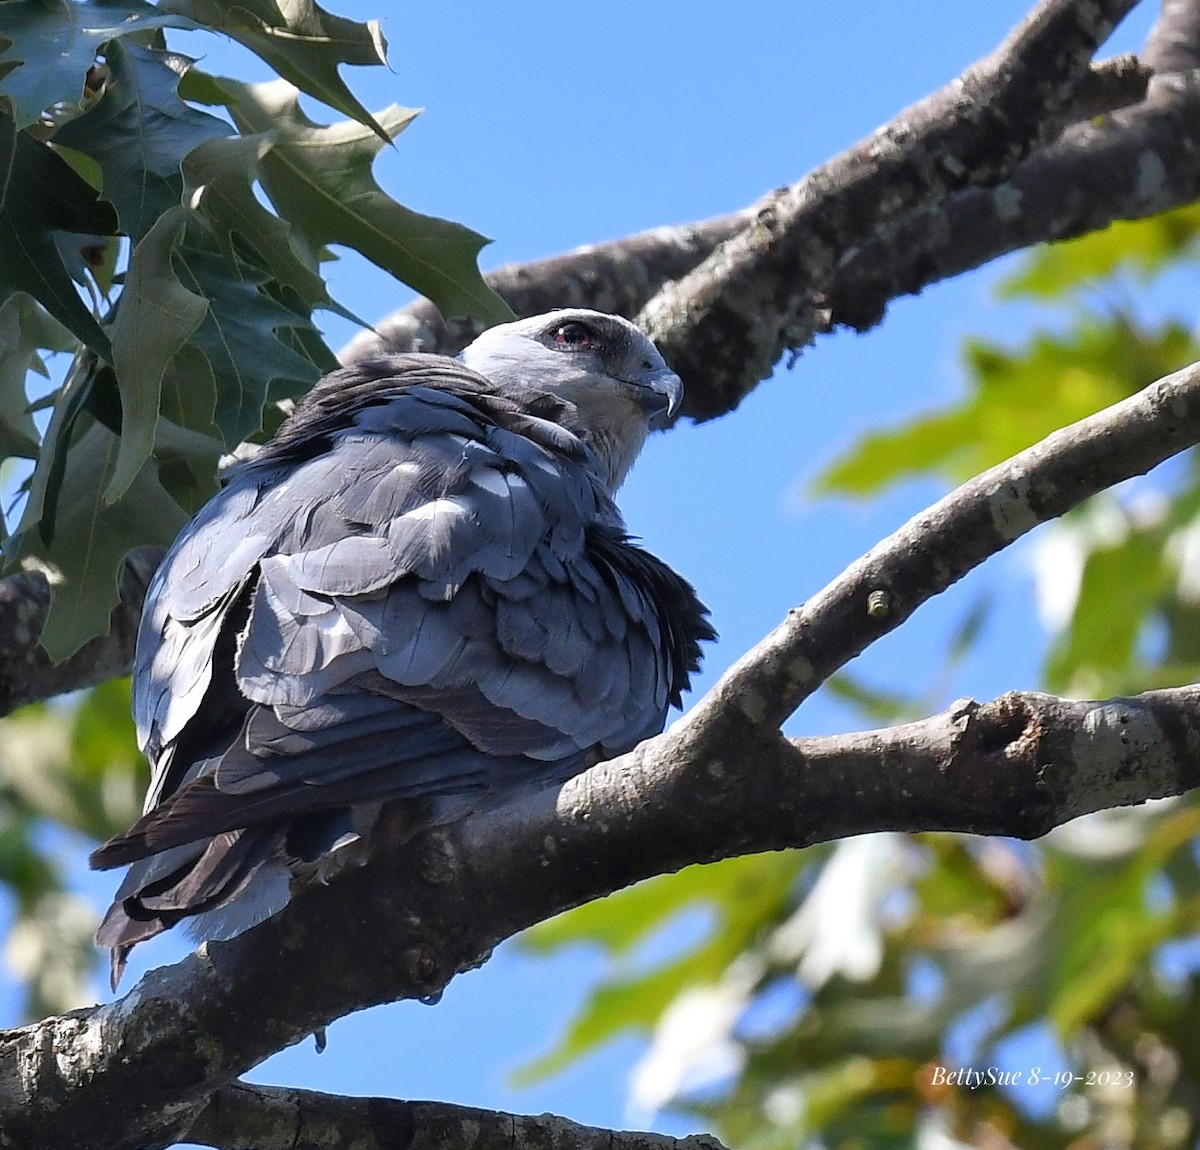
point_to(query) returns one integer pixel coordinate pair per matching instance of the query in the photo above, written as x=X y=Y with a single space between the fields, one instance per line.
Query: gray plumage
x=420 y=591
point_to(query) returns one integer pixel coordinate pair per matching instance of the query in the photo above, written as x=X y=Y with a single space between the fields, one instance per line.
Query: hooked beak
x=660 y=393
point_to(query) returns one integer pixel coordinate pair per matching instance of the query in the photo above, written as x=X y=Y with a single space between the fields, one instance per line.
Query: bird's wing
x=432 y=593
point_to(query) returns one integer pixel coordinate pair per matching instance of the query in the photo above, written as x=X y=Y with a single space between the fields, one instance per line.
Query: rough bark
x=939 y=546
x=1135 y=162
x=1141 y=158
x=271 y=1118
x=27 y=673
x=724 y=325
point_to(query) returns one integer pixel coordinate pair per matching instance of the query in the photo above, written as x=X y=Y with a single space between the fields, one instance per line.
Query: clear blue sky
x=552 y=125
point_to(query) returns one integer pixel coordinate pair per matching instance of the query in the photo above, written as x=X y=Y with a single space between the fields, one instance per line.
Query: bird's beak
x=660 y=393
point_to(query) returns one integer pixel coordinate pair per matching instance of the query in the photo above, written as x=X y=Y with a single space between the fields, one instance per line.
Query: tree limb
x=879 y=221
x=1174 y=42
x=1109 y=85
x=939 y=546
x=1135 y=163
x=406 y=923
x=721 y=782
x=617 y=277
x=139 y=1072
x=272 y=1118
x=725 y=324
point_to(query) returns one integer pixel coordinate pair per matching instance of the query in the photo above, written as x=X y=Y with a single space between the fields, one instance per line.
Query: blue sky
x=554 y=125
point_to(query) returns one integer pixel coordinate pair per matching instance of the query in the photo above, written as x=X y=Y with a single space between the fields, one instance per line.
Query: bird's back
x=420 y=590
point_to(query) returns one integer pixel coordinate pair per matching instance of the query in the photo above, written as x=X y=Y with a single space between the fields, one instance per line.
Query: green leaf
x=87 y=259
x=25 y=328
x=188 y=444
x=319 y=179
x=1102 y=926
x=40 y=198
x=1017 y=398
x=45 y=485
x=23 y=868
x=189 y=395
x=955 y=886
x=742 y=892
x=301 y=41
x=139 y=132
x=875 y=704
x=970 y=627
x=220 y=175
x=1143 y=247
x=1099 y=647
x=239 y=336
x=74 y=765
x=50 y=949
x=78 y=765
x=93 y=537
x=245 y=356
x=155 y=317
x=49 y=45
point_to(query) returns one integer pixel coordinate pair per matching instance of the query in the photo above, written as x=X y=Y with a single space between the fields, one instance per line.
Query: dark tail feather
x=149 y=903
x=195 y=812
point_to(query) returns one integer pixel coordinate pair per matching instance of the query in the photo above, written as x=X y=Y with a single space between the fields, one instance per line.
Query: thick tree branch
x=1018 y=765
x=271 y=1118
x=1174 y=42
x=1109 y=85
x=615 y=277
x=1136 y=162
x=939 y=546
x=141 y=1071
x=405 y=924
x=721 y=782
x=726 y=323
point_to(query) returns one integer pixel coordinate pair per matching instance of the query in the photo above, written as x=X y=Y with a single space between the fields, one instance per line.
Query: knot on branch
x=423 y=968
x=436 y=860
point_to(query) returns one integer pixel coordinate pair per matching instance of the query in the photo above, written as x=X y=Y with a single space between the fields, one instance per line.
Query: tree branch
x=138 y=1072
x=1136 y=162
x=720 y=782
x=271 y=1118
x=1174 y=42
x=1109 y=85
x=725 y=324
x=617 y=277
x=406 y=923
x=936 y=548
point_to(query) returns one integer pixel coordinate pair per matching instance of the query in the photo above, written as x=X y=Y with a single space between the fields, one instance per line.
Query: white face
x=603 y=365
x=562 y=351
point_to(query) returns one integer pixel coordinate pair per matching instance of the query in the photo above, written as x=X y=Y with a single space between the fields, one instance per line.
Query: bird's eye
x=574 y=335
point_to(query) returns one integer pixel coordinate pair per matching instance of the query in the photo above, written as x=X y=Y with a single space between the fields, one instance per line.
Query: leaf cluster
x=168 y=226
x=163 y=230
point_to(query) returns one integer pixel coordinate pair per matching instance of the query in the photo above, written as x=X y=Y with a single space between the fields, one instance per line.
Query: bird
x=418 y=596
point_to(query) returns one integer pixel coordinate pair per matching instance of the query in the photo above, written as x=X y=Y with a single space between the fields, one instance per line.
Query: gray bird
x=420 y=591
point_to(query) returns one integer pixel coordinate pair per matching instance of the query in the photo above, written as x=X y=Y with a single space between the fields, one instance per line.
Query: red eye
x=575 y=335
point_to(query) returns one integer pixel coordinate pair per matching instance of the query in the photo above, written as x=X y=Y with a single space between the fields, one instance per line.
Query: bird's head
x=601 y=364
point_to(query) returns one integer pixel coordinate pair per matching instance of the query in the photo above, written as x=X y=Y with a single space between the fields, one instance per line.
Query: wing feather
x=419 y=588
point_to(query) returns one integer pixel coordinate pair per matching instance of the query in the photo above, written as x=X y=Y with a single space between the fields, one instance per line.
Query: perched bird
x=420 y=590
